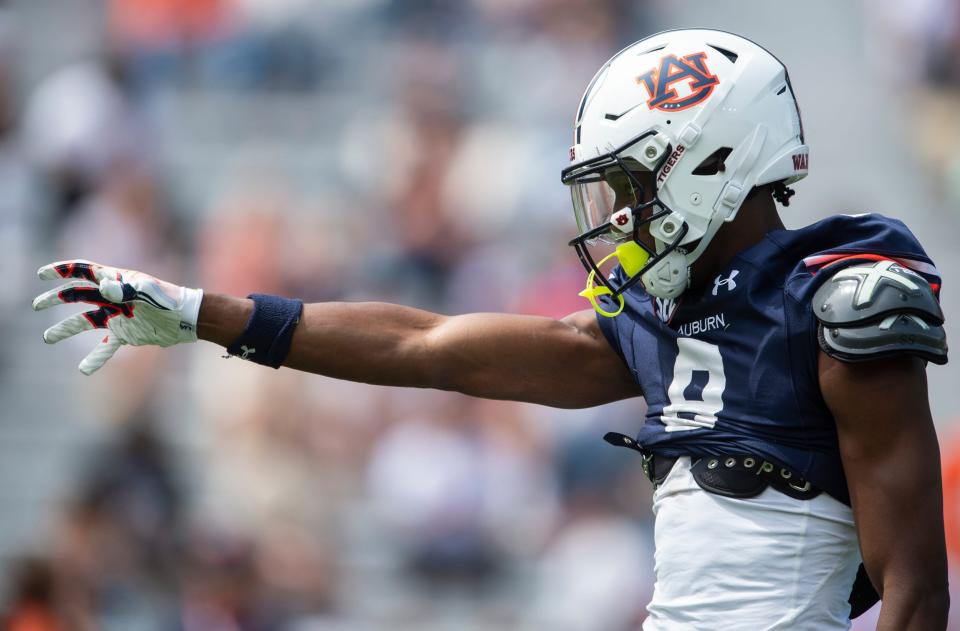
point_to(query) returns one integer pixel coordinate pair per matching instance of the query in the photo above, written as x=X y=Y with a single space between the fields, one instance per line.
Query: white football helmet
x=711 y=115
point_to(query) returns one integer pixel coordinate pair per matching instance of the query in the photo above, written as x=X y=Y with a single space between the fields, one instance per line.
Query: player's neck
x=756 y=218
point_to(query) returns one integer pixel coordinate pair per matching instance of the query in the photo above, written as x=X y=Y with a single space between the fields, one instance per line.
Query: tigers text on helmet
x=710 y=115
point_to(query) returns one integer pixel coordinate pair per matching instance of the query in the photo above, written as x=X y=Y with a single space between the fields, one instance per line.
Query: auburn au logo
x=659 y=82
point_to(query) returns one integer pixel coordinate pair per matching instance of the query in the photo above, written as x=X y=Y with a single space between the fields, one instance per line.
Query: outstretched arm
x=892 y=463
x=561 y=363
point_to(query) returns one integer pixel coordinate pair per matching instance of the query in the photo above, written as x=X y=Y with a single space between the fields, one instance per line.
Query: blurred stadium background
x=404 y=150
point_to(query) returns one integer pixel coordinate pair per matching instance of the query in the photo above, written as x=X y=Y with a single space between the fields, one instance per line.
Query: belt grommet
x=766 y=467
x=713 y=464
x=749 y=462
x=786 y=475
x=729 y=462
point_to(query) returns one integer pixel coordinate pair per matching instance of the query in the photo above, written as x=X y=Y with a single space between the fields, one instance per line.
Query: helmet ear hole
x=714 y=163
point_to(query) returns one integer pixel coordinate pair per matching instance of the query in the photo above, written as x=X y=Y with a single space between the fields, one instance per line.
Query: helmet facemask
x=611 y=206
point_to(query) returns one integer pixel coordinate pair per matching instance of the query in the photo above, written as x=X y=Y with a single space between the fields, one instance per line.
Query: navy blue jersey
x=732 y=367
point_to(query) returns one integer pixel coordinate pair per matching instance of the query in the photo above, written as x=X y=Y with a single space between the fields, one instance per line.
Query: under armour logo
x=870 y=278
x=720 y=281
x=246 y=352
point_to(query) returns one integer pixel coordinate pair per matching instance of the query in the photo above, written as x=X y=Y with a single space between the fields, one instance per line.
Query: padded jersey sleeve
x=879 y=308
x=867 y=242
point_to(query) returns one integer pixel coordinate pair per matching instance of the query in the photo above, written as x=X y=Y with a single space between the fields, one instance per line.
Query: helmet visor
x=598 y=195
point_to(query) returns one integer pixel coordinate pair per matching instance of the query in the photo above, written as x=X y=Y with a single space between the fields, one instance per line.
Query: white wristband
x=190 y=311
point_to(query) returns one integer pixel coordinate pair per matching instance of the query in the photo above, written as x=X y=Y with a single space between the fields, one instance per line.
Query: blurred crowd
x=916 y=45
x=403 y=151
x=393 y=150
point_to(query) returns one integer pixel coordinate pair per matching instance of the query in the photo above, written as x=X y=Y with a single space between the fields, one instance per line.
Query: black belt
x=731 y=475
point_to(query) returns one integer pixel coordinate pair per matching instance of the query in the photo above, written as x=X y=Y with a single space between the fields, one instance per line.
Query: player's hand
x=134 y=307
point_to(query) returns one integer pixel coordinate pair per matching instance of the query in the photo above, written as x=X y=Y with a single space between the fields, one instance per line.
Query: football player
x=787 y=430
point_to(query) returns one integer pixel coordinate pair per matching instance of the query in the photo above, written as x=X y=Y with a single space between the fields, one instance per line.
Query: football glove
x=134 y=307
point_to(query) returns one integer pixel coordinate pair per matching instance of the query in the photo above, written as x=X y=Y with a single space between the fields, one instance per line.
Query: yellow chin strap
x=632 y=258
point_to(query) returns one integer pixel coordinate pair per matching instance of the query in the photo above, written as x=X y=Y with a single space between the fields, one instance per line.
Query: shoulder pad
x=876 y=309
